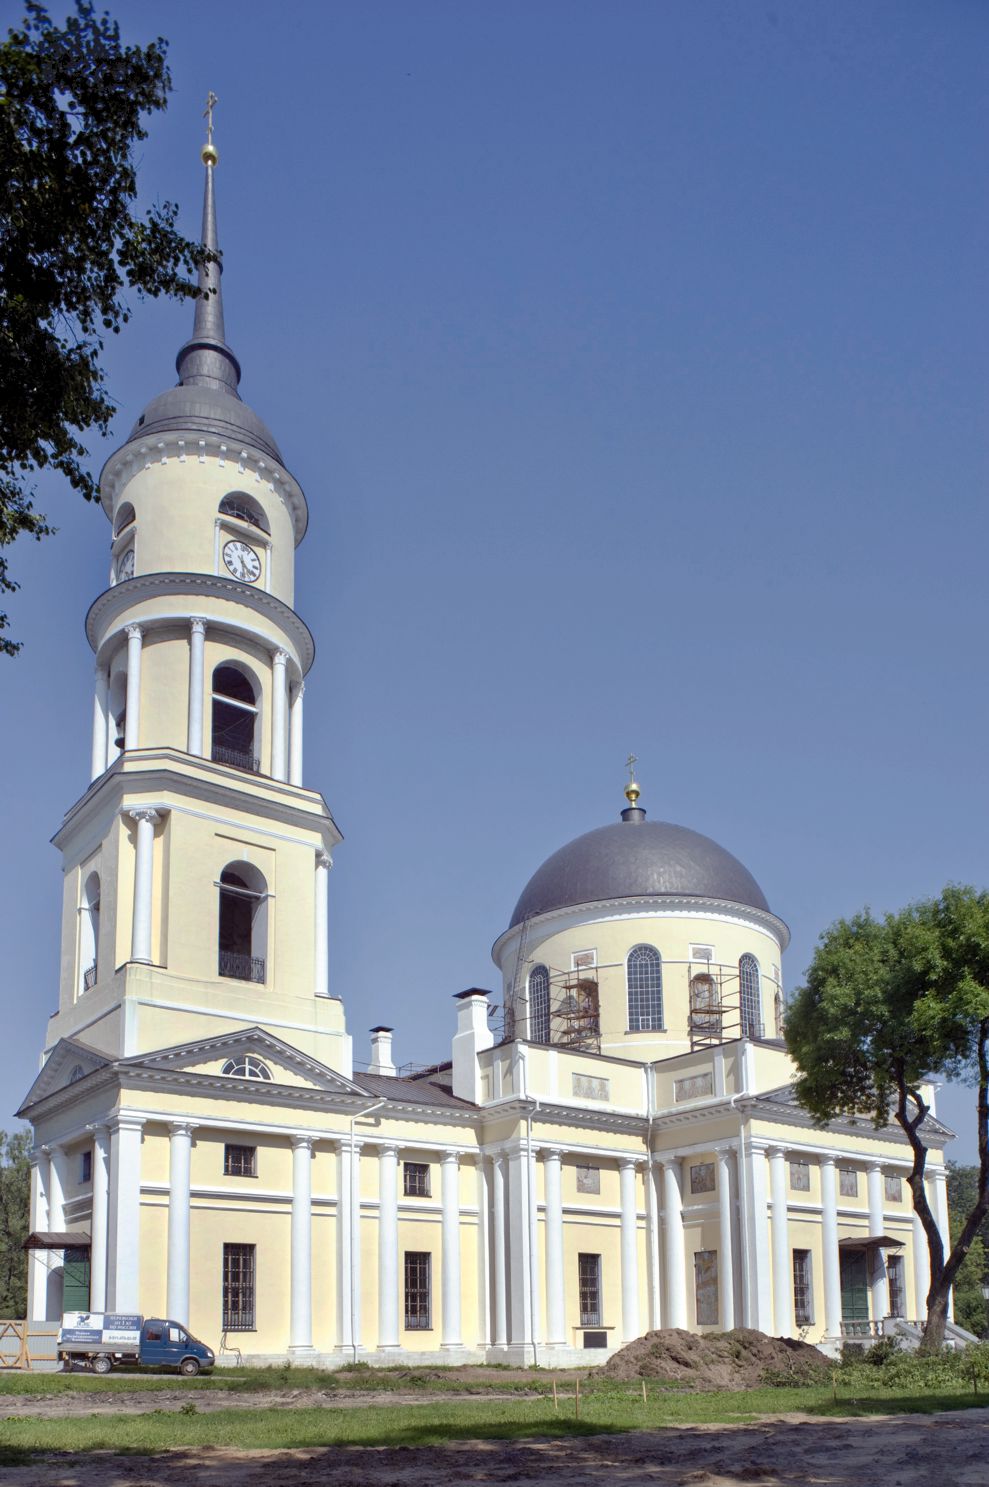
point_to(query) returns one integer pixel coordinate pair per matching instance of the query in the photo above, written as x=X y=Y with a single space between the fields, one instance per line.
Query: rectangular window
x=848 y=1182
x=589 y=1289
x=803 y=1294
x=86 y=1167
x=706 y=1287
x=415 y=1179
x=894 y=1189
x=702 y=1177
x=894 y=1274
x=239 y=1287
x=800 y=1177
x=588 y=1178
x=240 y=1161
x=418 y=1289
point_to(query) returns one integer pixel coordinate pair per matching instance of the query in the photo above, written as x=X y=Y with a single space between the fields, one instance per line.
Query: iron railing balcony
x=89 y=977
x=238 y=758
x=241 y=967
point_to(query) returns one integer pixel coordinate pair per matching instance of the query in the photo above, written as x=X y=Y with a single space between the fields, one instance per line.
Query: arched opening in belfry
x=242 y=941
x=89 y=933
x=117 y=714
x=235 y=719
x=243 y=507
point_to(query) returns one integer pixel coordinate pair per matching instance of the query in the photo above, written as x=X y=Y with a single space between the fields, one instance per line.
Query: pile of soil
x=741 y=1359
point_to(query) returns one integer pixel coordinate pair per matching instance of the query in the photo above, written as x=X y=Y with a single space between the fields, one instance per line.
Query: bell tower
x=196 y=864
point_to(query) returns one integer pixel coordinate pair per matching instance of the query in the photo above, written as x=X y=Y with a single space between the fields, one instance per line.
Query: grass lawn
x=615 y=1408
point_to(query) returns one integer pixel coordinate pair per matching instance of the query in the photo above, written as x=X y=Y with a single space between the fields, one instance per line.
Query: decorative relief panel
x=800 y=1177
x=702 y=1177
x=588 y=1087
x=693 y=1087
x=588 y=1178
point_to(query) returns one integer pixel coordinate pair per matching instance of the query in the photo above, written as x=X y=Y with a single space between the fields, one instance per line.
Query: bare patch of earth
x=144 y=1401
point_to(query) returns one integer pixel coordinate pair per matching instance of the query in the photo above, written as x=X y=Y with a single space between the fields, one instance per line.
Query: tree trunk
x=937 y=1318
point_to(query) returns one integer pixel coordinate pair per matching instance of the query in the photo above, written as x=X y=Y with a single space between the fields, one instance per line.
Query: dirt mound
x=739 y=1359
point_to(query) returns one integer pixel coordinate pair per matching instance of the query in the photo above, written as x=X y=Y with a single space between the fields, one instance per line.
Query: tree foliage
x=72 y=100
x=970 y=1304
x=15 y=1208
x=888 y=1004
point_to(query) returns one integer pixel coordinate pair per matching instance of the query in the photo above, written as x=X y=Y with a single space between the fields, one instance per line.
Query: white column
x=132 y=727
x=726 y=1257
x=450 y=1261
x=760 y=1297
x=345 y=1289
x=630 y=1249
x=498 y=1219
x=179 y=1194
x=921 y=1270
x=140 y=945
x=676 y=1283
x=300 y=1323
x=37 y=1276
x=782 y=1278
x=829 y=1238
x=100 y=1216
x=279 y=701
x=388 y=1334
x=940 y=1180
x=556 y=1322
x=100 y=722
x=653 y=1206
x=321 y=979
x=124 y=1239
x=197 y=684
x=877 y=1260
x=295 y=735
x=57 y=1175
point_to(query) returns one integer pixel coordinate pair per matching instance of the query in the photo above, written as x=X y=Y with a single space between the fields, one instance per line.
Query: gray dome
x=207 y=410
x=635 y=858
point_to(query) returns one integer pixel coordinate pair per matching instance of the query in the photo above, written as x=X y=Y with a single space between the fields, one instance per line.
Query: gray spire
x=206 y=360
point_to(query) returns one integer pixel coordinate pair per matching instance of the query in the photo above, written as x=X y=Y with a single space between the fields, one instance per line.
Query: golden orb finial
x=632 y=791
x=209 y=153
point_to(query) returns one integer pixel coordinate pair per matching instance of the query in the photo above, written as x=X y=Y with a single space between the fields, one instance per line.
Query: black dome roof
x=636 y=858
x=210 y=410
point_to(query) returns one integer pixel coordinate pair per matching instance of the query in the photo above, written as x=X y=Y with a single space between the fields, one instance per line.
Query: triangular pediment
x=247 y=1055
x=68 y=1062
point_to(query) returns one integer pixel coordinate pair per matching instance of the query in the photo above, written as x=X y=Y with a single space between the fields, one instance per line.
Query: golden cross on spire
x=211 y=102
x=632 y=791
x=630 y=764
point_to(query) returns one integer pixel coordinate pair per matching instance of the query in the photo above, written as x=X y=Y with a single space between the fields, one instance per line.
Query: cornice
x=122 y=597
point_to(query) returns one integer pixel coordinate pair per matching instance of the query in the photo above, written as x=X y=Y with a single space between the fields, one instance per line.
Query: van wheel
x=190 y=1367
x=102 y=1364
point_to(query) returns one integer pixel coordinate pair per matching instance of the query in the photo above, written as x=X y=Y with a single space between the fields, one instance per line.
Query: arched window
x=705 y=1008
x=117 y=707
x=89 y=933
x=235 y=719
x=750 y=996
x=123 y=519
x=644 y=980
x=243 y=929
x=247 y=1067
x=243 y=507
x=539 y=1004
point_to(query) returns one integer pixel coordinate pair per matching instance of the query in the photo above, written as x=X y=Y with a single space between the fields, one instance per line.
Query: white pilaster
x=921 y=1270
x=100 y=1217
x=349 y=1244
x=279 y=703
x=295 y=735
x=132 y=726
x=782 y=1276
x=760 y=1296
x=676 y=1285
x=197 y=684
x=450 y=1182
x=556 y=1322
x=877 y=1259
x=37 y=1275
x=940 y=1180
x=829 y=1240
x=484 y=1333
x=630 y=1249
x=520 y=1320
x=179 y=1195
x=321 y=980
x=100 y=722
x=300 y=1322
x=124 y=1238
x=143 y=882
x=498 y=1221
x=726 y=1242
x=388 y=1333
x=653 y=1209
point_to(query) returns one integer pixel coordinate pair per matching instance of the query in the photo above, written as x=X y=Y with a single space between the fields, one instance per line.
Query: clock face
x=242 y=561
x=125 y=567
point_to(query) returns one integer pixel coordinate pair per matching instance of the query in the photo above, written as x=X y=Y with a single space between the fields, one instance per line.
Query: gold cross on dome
x=211 y=102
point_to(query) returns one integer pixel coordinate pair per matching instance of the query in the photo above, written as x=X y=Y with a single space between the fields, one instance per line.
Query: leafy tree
x=71 y=104
x=15 y=1208
x=970 y=1304
x=888 y=1004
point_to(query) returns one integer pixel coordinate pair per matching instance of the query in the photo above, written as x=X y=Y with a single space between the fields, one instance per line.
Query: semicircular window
x=247 y=1067
x=244 y=508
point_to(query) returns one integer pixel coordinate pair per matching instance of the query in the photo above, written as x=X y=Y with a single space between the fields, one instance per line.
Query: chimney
x=472 y=1037
x=381 y=1059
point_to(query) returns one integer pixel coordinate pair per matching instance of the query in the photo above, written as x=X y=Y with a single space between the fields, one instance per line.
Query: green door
x=75 y=1280
x=854 y=1286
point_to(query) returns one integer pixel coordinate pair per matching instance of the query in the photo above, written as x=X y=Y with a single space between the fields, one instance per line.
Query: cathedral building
x=612 y=1148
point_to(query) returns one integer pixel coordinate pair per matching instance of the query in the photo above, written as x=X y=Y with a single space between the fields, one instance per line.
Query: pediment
x=244 y=1056
x=68 y=1063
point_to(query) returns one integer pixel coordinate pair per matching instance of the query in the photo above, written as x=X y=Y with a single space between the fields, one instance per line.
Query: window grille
x=589 y=1289
x=418 y=1290
x=750 y=996
x=240 y=1161
x=415 y=1179
x=894 y=1275
x=247 y=1067
x=86 y=1167
x=239 y=1287
x=803 y=1291
x=539 y=1004
x=644 y=978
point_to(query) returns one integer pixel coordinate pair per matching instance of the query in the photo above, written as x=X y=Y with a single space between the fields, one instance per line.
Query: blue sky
x=633 y=360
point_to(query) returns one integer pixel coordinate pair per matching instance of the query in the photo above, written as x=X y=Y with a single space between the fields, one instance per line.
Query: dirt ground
x=144 y=1401
x=724 y=1360
x=883 y=1451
